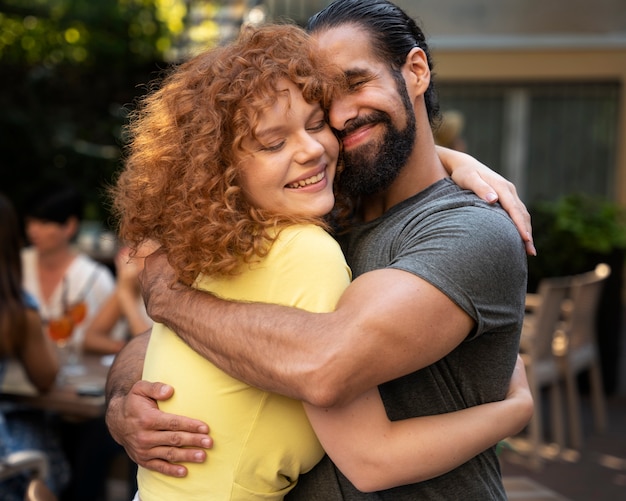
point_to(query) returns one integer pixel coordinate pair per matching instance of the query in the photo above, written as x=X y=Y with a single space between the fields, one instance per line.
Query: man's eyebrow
x=357 y=72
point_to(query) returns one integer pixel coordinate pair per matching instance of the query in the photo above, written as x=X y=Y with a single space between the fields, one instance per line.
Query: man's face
x=374 y=119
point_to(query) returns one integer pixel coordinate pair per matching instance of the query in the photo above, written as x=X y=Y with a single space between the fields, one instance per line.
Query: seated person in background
x=449 y=132
x=64 y=281
x=123 y=314
x=22 y=337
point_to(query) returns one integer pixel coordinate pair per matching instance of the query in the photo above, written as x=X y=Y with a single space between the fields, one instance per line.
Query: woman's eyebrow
x=268 y=131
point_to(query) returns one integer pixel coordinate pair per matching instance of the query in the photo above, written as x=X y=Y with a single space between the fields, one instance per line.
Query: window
x=549 y=139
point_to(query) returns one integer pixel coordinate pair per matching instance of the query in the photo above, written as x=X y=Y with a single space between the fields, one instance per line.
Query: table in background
x=86 y=440
x=77 y=396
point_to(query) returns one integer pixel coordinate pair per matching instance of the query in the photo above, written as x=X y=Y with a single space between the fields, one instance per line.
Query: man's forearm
x=278 y=360
x=256 y=343
x=321 y=358
x=127 y=367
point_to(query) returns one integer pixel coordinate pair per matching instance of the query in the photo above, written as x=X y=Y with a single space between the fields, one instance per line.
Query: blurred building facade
x=541 y=85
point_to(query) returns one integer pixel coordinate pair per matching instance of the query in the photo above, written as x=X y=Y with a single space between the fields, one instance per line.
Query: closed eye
x=318 y=126
x=272 y=147
x=357 y=78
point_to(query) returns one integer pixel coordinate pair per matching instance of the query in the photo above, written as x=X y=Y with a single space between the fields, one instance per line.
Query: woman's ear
x=72 y=225
x=416 y=72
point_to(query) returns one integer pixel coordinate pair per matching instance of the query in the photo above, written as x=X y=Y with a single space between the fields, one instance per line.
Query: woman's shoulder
x=84 y=263
x=303 y=233
x=308 y=243
x=29 y=257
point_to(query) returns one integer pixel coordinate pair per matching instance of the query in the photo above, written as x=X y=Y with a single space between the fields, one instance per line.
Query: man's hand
x=154 y=439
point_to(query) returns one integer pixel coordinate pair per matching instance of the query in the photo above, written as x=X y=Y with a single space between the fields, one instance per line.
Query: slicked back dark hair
x=392 y=32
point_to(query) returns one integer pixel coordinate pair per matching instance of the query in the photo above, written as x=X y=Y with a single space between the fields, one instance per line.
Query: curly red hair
x=180 y=185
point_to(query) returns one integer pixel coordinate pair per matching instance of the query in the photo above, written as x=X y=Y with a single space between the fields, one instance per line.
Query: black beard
x=372 y=168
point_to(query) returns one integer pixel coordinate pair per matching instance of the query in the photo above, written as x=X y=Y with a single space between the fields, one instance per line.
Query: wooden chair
x=576 y=349
x=38 y=491
x=33 y=463
x=540 y=325
x=28 y=461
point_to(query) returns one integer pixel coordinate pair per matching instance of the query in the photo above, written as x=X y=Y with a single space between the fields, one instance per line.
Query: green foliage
x=71 y=70
x=57 y=32
x=575 y=233
x=596 y=224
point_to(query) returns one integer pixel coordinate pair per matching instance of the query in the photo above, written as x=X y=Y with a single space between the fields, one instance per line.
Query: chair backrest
x=585 y=297
x=547 y=317
x=33 y=462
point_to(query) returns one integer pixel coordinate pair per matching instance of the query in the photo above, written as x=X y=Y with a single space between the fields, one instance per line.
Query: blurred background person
x=22 y=337
x=123 y=314
x=449 y=132
x=69 y=286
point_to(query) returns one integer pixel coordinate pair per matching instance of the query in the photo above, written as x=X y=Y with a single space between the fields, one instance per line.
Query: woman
x=123 y=314
x=23 y=338
x=231 y=170
x=65 y=283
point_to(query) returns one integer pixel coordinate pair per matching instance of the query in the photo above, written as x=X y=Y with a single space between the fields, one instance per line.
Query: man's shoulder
x=452 y=201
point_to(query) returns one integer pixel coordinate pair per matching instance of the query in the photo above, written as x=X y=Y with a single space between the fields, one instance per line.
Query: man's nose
x=342 y=110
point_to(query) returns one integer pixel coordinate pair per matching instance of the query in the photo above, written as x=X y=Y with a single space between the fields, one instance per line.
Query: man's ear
x=416 y=72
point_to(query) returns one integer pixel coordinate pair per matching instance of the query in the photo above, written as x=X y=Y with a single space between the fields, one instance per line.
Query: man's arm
x=138 y=425
x=337 y=357
x=382 y=329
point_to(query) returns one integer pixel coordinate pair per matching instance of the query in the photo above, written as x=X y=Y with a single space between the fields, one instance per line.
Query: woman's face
x=294 y=158
x=49 y=236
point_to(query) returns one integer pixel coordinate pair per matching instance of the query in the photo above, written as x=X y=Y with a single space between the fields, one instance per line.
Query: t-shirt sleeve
x=475 y=256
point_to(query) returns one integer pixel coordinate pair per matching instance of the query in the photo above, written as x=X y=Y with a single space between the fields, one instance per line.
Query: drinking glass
x=60 y=329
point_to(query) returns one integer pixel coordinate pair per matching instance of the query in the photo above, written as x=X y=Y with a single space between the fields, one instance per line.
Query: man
x=433 y=315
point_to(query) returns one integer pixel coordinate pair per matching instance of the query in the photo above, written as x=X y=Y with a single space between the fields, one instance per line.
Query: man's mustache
x=360 y=121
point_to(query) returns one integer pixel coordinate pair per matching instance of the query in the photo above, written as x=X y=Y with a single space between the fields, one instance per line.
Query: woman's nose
x=310 y=149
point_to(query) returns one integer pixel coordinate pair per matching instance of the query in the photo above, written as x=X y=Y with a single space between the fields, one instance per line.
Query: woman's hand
x=519 y=391
x=473 y=175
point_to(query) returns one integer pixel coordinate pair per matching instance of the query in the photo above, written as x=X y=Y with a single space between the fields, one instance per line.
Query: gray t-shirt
x=473 y=253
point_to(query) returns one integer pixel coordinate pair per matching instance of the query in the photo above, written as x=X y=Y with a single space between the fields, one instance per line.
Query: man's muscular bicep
x=399 y=323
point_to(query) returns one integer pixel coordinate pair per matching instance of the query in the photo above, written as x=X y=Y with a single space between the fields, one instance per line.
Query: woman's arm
x=98 y=335
x=375 y=453
x=128 y=291
x=131 y=304
x=471 y=174
x=124 y=303
x=38 y=354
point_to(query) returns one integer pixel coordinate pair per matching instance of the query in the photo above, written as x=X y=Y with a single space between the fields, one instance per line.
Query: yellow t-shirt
x=262 y=441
